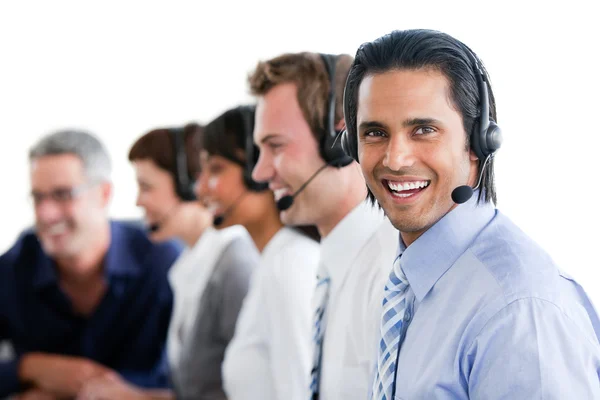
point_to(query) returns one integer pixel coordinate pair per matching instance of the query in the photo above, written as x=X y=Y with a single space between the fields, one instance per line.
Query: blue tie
x=394 y=306
x=321 y=297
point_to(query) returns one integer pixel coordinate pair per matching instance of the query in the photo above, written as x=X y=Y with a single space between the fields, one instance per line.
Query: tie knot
x=322 y=272
x=397 y=280
x=323 y=280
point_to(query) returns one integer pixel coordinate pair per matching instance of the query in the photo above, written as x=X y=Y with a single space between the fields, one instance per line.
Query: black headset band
x=183 y=181
x=251 y=150
x=331 y=149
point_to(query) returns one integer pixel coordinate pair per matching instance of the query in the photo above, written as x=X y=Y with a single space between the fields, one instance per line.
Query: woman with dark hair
x=209 y=280
x=270 y=354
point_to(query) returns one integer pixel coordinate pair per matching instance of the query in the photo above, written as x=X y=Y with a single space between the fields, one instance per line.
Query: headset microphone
x=220 y=218
x=330 y=149
x=486 y=136
x=286 y=201
x=155 y=227
x=463 y=193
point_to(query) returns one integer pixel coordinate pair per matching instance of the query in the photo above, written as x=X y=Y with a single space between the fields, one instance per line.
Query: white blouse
x=270 y=355
x=188 y=278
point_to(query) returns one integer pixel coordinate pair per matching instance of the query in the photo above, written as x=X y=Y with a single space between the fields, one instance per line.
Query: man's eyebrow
x=406 y=124
x=269 y=137
x=420 y=121
x=370 y=124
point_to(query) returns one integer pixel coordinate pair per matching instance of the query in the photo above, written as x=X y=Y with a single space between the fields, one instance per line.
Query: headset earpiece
x=486 y=137
x=348 y=145
x=494 y=137
x=184 y=184
x=331 y=146
x=348 y=142
x=247 y=113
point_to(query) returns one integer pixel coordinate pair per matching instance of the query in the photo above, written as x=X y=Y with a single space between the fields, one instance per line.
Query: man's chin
x=56 y=248
x=58 y=253
x=286 y=217
x=293 y=217
x=407 y=222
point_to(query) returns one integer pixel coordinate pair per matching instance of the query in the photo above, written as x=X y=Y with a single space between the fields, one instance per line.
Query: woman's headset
x=184 y=183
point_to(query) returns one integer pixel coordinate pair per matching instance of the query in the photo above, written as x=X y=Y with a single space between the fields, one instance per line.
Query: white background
x=120 y=68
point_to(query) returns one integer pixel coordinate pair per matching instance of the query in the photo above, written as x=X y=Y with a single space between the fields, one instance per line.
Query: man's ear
x=340 y=125
x=473 y=156
x=106 y=190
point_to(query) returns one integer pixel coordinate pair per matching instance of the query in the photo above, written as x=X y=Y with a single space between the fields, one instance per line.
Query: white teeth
x=401 y=186
x=279 y=193
x=212 y=207
x=58 y=229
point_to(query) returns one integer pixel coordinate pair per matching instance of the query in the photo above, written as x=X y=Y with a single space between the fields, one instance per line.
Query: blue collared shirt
x=126 y=332
x=492 y=317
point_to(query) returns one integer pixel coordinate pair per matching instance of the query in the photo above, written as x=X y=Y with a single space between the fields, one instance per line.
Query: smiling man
x=473 y=308
x=81 y=296
x=298 y=113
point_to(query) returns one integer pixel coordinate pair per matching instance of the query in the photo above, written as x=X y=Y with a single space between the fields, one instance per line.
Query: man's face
x=289 y=154
x=412 y=147
x=68 y=207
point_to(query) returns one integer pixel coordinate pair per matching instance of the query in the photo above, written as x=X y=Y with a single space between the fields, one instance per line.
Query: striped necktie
x=321 y=297
x=392 y=330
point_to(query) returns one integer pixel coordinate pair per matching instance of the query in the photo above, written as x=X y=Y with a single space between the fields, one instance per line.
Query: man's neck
x=347 y=198
x=410 y=237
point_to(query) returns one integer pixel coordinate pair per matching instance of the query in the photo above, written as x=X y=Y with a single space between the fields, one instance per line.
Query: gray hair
x=87 y=147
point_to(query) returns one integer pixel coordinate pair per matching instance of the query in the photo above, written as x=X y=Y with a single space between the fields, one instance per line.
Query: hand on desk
x=110 y=387
x=35 y=394
x=60 y=376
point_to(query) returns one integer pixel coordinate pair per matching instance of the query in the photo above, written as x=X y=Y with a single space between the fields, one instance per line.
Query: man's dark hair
x=424 y=49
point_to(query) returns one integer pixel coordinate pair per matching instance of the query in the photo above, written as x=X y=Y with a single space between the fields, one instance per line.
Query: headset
x=247 y=113
x=485 y=137
x=184 y=184
x=330 y=147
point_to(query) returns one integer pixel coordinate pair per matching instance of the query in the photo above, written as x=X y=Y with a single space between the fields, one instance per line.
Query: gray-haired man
x=81 y=295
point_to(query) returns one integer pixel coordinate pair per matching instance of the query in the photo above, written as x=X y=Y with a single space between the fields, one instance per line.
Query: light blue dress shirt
x=492 y=317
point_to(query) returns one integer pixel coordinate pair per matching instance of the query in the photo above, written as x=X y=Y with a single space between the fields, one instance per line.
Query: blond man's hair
x=308 y=72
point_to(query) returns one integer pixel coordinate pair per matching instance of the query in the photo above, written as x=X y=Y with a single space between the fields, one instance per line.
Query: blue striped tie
x=394 y=305
x=321 y=296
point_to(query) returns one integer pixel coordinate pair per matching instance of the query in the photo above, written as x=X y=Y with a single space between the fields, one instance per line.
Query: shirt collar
x=346 y=240
x=275 y=244
x=435 y=251
x=45 y=272
x=118 y=262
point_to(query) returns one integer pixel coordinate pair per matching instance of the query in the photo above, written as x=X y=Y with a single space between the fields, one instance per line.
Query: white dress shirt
x=357 y=256
x=270 y=355
x=188 y=278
